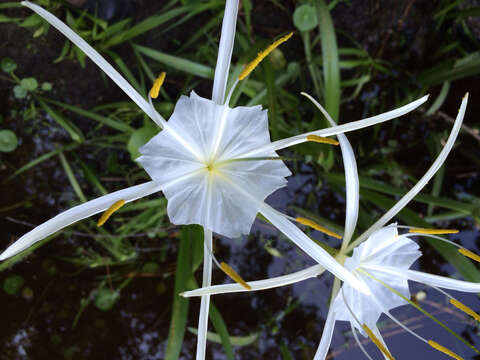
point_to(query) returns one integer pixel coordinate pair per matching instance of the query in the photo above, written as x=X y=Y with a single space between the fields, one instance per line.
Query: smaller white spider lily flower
x=381 y=263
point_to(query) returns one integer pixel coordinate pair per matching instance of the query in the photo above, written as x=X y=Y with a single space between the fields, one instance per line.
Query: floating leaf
x=8 y=141
x=46 y=86
x=29 y=84
x=8 y=65
x=12 y=284
x=305 y=18
x=19 y=92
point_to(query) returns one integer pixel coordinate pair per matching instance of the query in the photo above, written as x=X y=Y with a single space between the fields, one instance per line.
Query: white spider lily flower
x=212 y=162
x=381 y=262
x=209 y=160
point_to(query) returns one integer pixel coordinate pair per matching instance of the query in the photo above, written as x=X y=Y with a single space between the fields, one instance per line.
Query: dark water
x=38 y=321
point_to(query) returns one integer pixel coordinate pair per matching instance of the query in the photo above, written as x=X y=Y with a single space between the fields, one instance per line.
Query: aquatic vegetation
x=85 y=152
x=381 y=260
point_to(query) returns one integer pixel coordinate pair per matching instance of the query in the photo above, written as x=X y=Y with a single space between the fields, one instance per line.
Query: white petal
x=424 y=180
x=205 y=303
x=271 y=283
x=311 y=248
x=351 y=178
x=326 y=339
x=215 y=133
x=385 y=247
x=77 y=213
x=225 y=51
x=95 y=57
x=340 y=129
x=430 y=279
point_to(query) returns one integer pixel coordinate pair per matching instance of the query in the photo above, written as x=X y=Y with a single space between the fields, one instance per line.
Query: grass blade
x=331 y=69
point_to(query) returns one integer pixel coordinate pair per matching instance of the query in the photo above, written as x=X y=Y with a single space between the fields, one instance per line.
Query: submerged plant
x=381 y=260
x=214 y=164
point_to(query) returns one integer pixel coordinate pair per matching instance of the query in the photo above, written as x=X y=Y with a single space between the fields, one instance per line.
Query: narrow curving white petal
x=424 y=180
x=225 y=50
x=77 y=213
x=340 y=129
x=205 y=303
x=95 y=57
x=443 y=282
x=430 y=279
x=311 y=248
x=326 y=339
x=312 y=271
x=351 y=178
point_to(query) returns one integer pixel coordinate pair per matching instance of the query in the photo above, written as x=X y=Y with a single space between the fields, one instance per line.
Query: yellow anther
x=262 y=55
x=377 y=342
x=227 y=269
x=106 y=215
x=321 y=139
x=465 y=309
x=469 y=254
x=433 y=231
x=314 y=225
x=444 y=350
x=157 y=84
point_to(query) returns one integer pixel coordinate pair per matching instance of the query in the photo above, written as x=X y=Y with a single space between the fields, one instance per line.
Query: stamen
x=469 y=254
x=465 y=309
x=377 y=342
x=262 y=55
x=322 y=140
x=433 y=231
x=444 y=350
x=227 y=269
x=157 y=85
x=314 y=225
x=106 y=215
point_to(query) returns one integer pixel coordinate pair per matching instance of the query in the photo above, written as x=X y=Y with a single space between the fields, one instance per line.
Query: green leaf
x=72 y=130
x=46 y=86
x=139 y=138
x=71 y=178
x=331 y=67
x=218 y=323
x=41 y=158
x=106 y=298
x=176 y=62
x=117 y=125
x=29 y=84
x=8 y=141
x=19 y=92
x=305 y=18
x=8 y=65
x=235 y=340
x=12 y=284
x=178 y=321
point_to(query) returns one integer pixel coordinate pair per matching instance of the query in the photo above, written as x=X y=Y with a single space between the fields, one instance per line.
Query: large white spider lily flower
x=203 y=159
x=381 y=263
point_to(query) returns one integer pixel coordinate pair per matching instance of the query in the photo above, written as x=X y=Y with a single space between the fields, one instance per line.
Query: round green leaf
x=19 y=92
x=305 y=18
x=106 y=298
x=8 y=65
x=46 y=86
x=8 y=141
x=138 y=138
x=12 y=284
x=29 y=83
